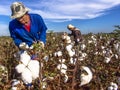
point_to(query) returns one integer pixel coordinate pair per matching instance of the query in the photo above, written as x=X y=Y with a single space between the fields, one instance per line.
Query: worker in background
x=75 y=32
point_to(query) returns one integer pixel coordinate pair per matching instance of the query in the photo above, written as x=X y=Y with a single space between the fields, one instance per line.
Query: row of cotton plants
x=98 y=53
x=93 y=64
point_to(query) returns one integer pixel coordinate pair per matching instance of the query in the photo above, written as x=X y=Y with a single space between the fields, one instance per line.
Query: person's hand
x=37 y=45
x=23 y=46
x=41 y=43
x=78 y=40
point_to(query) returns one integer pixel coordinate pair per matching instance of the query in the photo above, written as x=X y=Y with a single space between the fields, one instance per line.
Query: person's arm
x=13 y=35
x=42 y=30
x=78 y=35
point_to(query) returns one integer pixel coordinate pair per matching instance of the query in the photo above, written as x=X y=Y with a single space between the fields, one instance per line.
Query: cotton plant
x=90 y=41
x=73 y=60
x=85 y=78
x=63 y=69
x=70 y=51
x=116 y=56
x=61 y=61
x=102 y=47
x=113 y=86
x=66 y=38
x=108 y=55
x=82 y=56
x=29 y=69
x=58 y=53
x=61 y=66
x=3 y=74
x=69 y=44
x=107 y=59
x=46 y=58
x=93 y=37
x=117 y=47
x=83 y=46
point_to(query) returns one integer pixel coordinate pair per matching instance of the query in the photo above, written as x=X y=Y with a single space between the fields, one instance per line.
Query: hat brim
x=19 y=14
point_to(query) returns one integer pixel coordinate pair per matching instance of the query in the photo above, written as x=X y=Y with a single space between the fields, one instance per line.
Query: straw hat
x=18 y=10
x=70 y=26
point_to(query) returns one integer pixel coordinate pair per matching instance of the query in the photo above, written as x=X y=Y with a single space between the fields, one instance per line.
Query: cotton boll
x=102 y=47
x=20 y=68
x=59 y=53
x=55 y=54
x=96 y=53
x=62 y=60
x=62 y=68
x=69 y=47
x=93 y=37
x=80 y=58
x=29 y=72
x=71 y=53
x=116 y=46
x=34 y=68
x=68 y=41
x=84 y=55
x=113 y=86
x=23 y=46
x=83 y=46
x=14 y=88
x=66 y=38
x=107 y=59
x=46 y=58
x=25 y=58
x=73 y=60
x=90 y=41
x=116 y=56
x=65 y=78
x=85 y=79
x=104 y=51
x=26 y=76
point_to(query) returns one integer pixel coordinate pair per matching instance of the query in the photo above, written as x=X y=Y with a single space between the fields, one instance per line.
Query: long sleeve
x=42 y=29
x=15 y=38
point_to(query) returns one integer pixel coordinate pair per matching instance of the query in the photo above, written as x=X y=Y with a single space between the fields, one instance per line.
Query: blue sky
x=88 y=15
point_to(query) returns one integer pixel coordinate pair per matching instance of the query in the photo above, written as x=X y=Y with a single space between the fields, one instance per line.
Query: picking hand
x=23 y=46
x=37 y=45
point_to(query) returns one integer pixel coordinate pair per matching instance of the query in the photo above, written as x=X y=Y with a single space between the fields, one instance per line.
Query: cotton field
x=94 y=64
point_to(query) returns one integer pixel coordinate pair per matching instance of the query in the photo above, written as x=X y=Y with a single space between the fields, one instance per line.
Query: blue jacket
x=37 y=31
